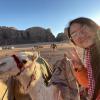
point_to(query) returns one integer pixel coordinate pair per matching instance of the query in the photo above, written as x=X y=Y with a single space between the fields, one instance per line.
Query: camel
x=30 y=71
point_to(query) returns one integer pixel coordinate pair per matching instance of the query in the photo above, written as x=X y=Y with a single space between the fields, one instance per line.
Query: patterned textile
x=91 y=83
x=45 y=69
x=65 y=81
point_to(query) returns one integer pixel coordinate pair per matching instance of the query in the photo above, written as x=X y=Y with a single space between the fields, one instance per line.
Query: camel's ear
x=35 y=55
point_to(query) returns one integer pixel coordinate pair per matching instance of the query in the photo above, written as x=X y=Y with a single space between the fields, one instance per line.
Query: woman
x=84 y=33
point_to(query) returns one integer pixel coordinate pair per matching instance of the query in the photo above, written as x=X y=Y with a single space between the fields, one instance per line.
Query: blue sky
x=53 y=14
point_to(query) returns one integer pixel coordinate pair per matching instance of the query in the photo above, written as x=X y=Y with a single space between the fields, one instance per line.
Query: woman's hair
x=83 y=21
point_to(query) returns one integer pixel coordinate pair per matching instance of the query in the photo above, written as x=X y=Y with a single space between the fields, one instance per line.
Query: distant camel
x=53 y=46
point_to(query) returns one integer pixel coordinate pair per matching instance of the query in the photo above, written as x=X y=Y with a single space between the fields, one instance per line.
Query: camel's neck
x=36 y=88
x=25 y=76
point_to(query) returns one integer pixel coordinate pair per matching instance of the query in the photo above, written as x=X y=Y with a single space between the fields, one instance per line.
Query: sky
x=53 y=14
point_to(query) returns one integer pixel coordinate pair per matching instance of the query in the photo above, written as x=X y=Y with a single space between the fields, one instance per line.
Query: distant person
x=84 y=33
x=53 y=46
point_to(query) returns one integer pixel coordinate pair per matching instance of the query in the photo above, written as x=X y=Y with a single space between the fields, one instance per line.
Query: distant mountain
x=62 y=36
x=11 y=35
x=38 y=34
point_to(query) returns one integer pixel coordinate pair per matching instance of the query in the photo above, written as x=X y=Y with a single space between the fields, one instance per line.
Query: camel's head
x=8 y=65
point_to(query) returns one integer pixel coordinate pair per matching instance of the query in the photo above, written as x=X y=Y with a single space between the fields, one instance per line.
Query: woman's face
x=82 y=35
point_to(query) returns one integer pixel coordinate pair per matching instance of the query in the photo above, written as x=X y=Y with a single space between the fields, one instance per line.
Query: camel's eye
x=24 y=61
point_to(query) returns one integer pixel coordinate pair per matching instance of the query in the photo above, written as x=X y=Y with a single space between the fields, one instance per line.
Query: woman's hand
x=73 y=55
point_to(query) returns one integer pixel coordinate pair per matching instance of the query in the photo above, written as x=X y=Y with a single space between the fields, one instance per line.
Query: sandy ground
x=46 y=52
